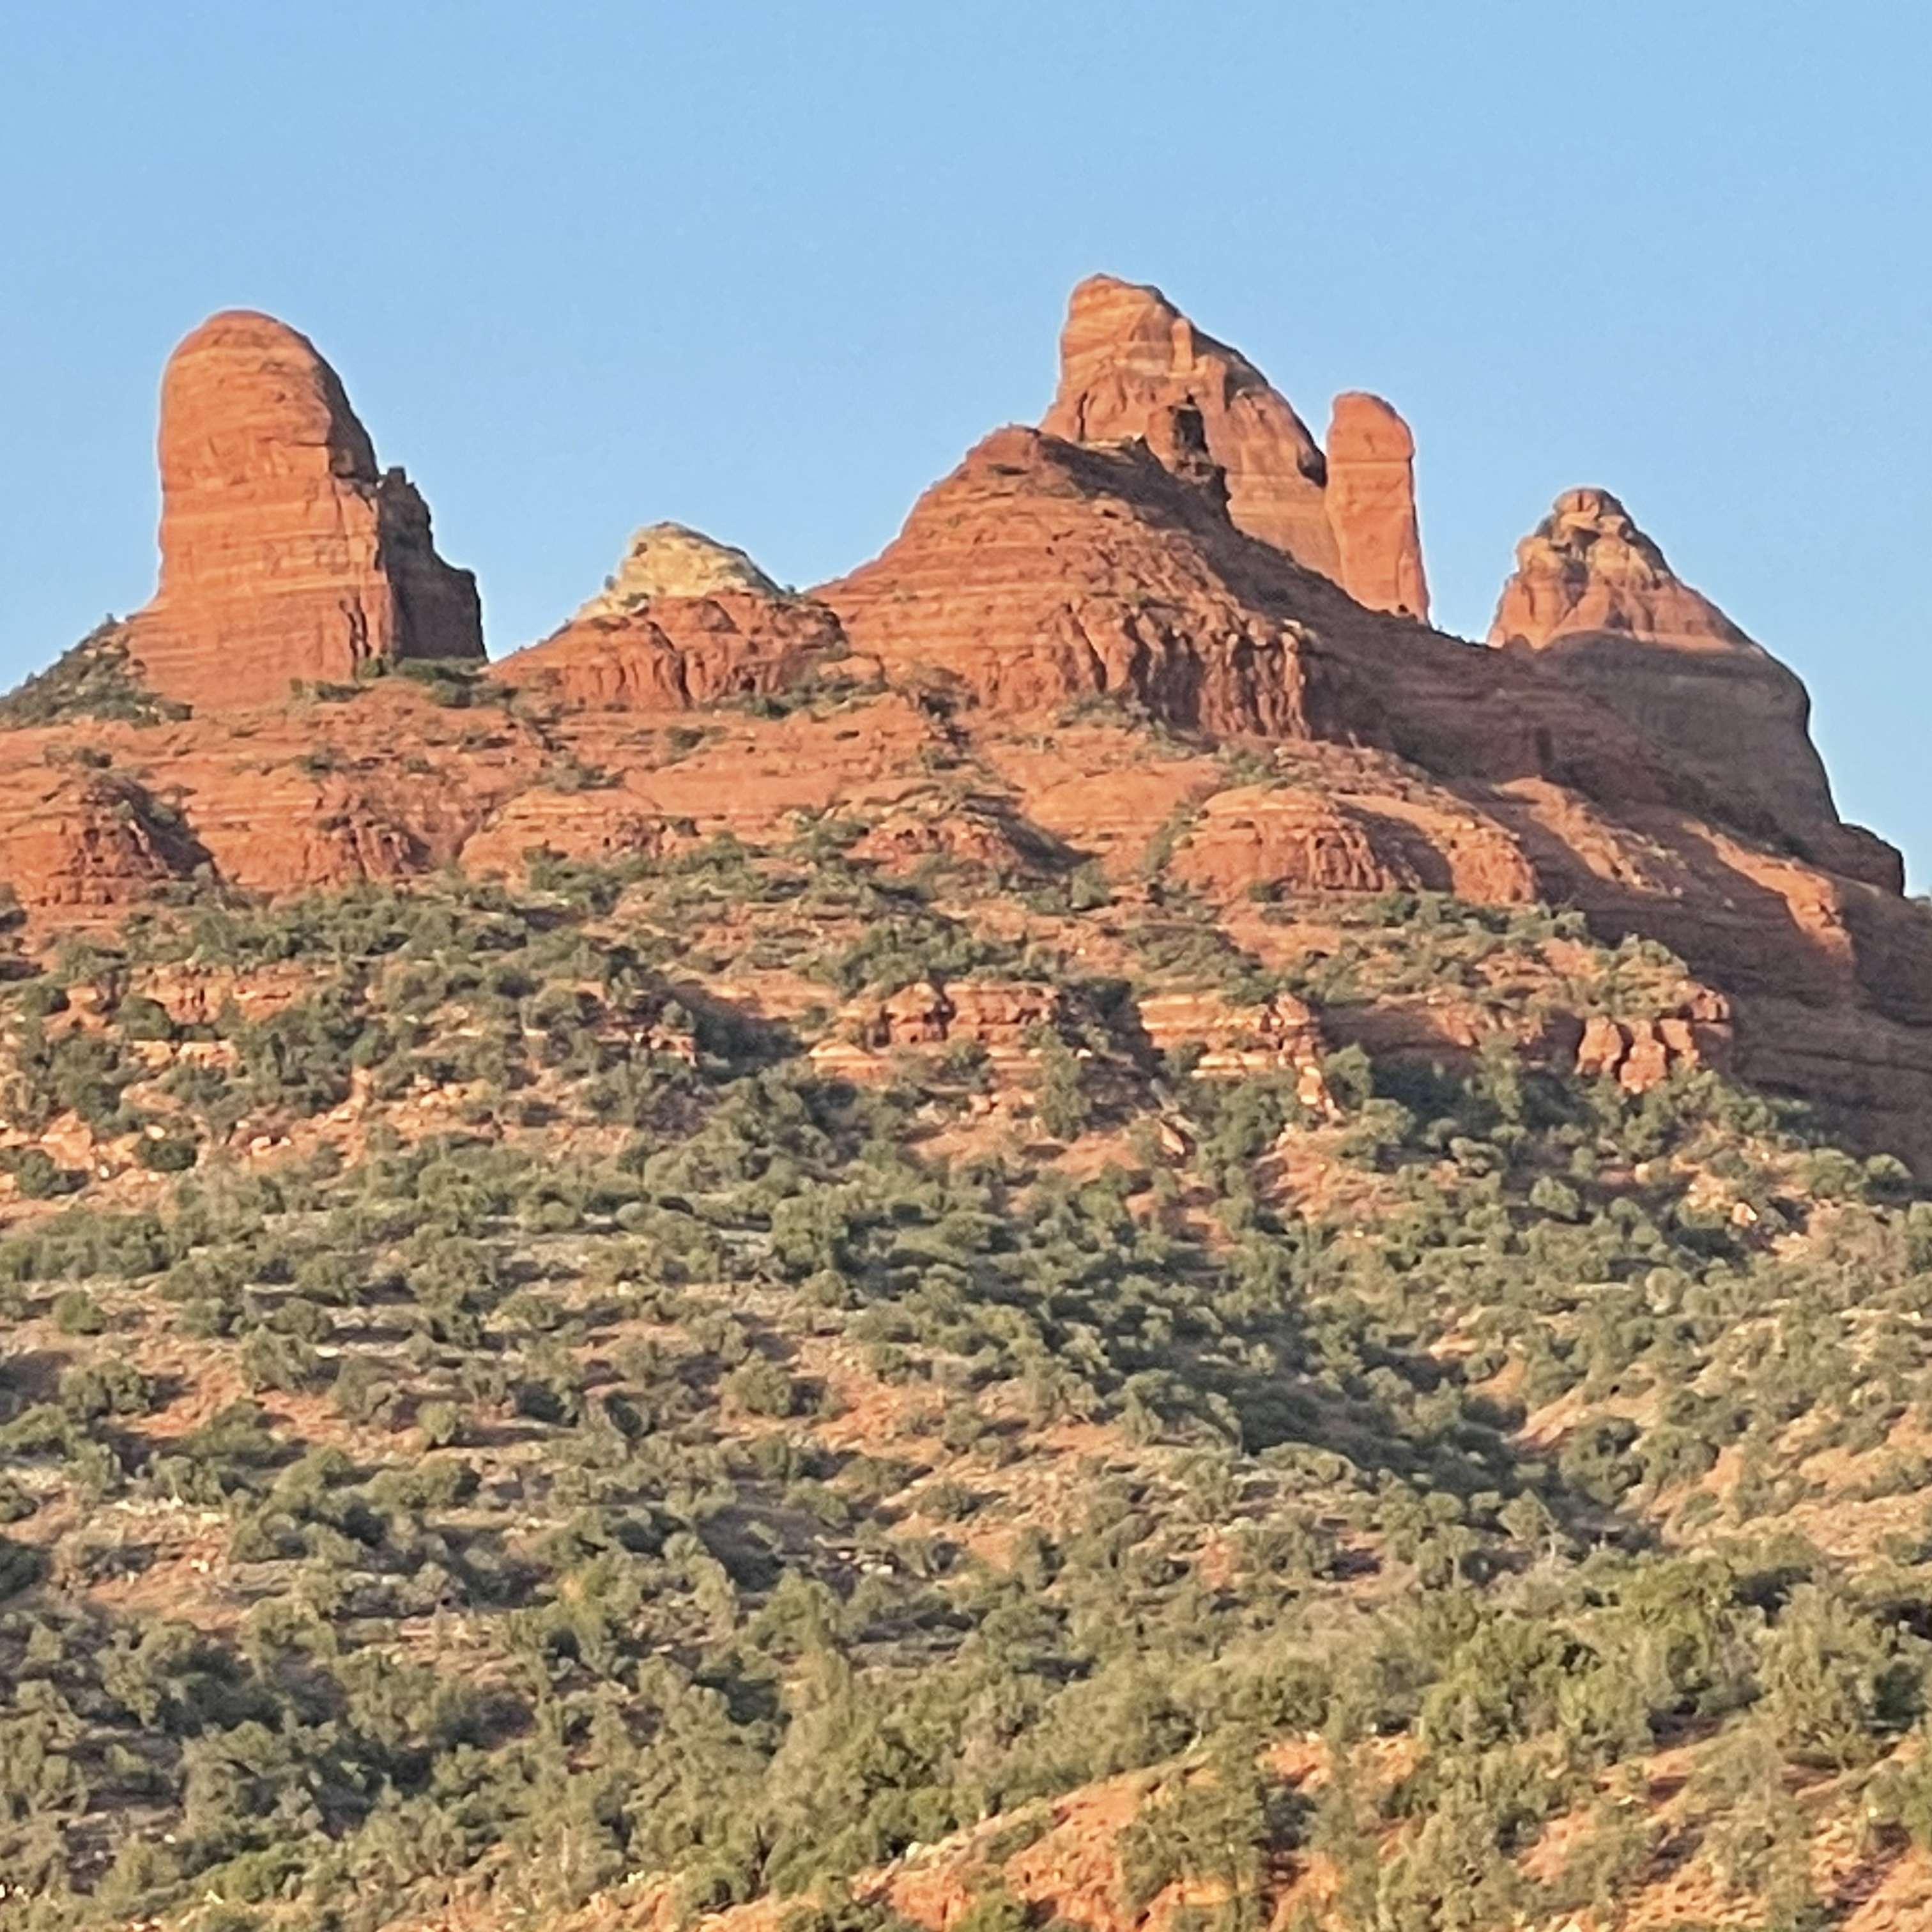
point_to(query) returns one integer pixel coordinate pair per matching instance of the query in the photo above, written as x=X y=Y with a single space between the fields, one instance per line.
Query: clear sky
x=769 y=268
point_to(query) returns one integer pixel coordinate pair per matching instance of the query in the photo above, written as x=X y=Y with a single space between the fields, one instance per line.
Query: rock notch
x=1592 y=592
x=1130 y=363
x=287 y=554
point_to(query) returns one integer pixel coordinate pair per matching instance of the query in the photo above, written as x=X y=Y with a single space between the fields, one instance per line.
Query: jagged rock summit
x=1129 y=359
x=1593 y=595
x=685 y=620
x=287 y=555
x=1587 y=569
x=674 y=560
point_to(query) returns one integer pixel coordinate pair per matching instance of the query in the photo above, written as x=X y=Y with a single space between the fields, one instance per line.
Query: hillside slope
x=1073 y=1231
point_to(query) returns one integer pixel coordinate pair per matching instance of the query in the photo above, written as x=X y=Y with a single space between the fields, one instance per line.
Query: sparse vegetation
x=512 y=1422
x=93 y=679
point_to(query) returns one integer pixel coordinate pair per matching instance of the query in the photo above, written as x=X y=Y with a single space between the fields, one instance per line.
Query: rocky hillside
x=1083 y=1229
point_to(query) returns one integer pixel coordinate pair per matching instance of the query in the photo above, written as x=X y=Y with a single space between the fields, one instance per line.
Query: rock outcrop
x=1280 y=1035
x=1593 y=594
x=674 y=560
x=686 y=621
x=1290 y=840
x=1042 y=573
x=1133 y=366
x=1639 y=1054
x=81 y=840
x=286 y=555
x=1372 y=506
x=1006 y=1019
x=1128 y=358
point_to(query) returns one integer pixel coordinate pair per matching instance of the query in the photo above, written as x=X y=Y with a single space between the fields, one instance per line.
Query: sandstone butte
x=287 y=554
x=1171 y=544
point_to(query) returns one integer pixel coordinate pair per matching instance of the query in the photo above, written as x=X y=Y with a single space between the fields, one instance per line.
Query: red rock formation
x=1041 y=572
x=1371 y=501
x=1628 y=752
x=1280 y=1035
x=1133 y=366
x=1293 y=841
x=1593 y=594
x=1286 y=838
x=975 y=831
x=1004 y=1017
x=597 y=826
x=286 y=554
x=1641 y=1053
x=1128 y=358
x=80 y=840
x=685 y=622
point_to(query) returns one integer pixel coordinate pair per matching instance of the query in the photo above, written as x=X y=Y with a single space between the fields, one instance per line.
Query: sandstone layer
x=287 y=556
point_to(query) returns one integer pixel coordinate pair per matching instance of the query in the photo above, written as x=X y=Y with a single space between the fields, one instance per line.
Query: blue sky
x=770 y=268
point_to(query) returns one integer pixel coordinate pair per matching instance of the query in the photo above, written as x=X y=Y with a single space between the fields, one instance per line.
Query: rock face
x=1041 y=572
x=1372 y=506
x=83 y=839
x=1133 y=366
x=685 y=622
x=287 y=554
x=1291 y=840
x=1593 y=594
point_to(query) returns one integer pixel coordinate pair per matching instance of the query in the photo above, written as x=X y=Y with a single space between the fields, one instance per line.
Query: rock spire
x=1133 y=366
x=287 y=554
